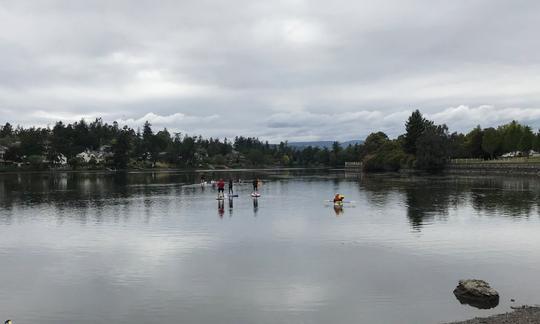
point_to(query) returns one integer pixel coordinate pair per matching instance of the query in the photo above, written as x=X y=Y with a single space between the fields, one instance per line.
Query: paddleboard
x=232 y=196
x=255 y=194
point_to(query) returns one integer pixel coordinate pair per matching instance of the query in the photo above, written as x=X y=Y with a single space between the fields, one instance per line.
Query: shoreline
x=518 y=315
x=448 y=171
x=511 y=168
x=484 y=168
x=131 y=171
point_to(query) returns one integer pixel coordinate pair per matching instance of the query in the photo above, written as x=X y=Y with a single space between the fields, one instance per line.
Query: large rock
x=476 y=293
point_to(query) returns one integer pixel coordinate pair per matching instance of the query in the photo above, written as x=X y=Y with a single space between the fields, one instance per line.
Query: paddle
x=343 y=202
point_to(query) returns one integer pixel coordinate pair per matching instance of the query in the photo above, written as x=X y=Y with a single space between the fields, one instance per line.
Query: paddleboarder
x=256 y=185
x=221 y=188
x=231 y=191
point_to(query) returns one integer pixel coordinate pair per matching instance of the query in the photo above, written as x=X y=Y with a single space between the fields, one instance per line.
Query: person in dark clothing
x=231 y=191
x=256 y=185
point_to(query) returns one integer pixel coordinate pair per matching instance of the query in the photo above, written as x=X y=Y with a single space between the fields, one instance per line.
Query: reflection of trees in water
x=429 y=199
x=376 y=188
x=426 y=199
x=86 y=190
x=516 y=197
x=72 y=194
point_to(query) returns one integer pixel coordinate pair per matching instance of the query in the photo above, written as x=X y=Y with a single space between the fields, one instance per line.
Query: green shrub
x=389 y=157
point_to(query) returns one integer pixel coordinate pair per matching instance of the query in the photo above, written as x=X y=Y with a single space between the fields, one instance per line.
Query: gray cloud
x=295 y=70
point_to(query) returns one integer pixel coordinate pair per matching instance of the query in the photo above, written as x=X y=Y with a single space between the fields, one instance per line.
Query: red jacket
x=221 y=184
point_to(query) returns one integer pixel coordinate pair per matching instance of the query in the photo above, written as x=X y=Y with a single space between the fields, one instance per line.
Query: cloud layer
x=295 y=70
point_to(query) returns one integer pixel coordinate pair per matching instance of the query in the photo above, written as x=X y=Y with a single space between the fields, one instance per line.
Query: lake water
x=154 y=248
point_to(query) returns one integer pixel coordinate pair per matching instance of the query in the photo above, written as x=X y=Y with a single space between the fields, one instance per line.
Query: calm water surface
x=154 y=248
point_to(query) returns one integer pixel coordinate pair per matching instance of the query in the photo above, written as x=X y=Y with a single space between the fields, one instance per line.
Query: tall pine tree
x=415 y=126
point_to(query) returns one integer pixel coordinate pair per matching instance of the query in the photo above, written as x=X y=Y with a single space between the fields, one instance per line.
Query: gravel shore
x=522 y=315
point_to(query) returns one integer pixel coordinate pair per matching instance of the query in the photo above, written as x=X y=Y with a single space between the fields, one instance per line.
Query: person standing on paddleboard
x=221 y=187
x=256 y=185
x=231 y=191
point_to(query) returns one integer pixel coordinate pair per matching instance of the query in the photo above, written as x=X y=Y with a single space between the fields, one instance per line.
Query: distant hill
x=322 y=144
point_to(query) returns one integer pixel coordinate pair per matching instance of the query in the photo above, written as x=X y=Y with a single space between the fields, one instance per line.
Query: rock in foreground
x=476 y=293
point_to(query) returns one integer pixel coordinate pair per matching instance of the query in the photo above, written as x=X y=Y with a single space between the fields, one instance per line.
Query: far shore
x=507 y=169
x=162 y=170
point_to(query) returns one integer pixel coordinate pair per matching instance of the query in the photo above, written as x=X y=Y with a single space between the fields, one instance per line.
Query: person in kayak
x=231 y=191
x=221 y=187
x=338 y=198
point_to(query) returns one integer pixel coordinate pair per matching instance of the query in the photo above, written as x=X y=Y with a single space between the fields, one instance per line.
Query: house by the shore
x=99 y=156
x=3 y=151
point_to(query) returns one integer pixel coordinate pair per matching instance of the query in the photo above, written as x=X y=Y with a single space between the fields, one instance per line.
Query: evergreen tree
x=6 y=130
x=415 y=126
x=121 y=148
x=432 y=148
x=147 y=138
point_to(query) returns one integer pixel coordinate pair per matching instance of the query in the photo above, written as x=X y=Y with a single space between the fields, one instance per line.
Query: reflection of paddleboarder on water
x=255 y=205
x=221 y=208
x=230 y=207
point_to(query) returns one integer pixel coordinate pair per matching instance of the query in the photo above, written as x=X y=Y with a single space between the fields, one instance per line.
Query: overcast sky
x=280 y=70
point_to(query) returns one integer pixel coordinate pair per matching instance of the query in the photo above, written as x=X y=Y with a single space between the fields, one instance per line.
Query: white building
x=511 y=154
x=88 y=155
x=3 y=151
x=99 y=156
x=61 y=160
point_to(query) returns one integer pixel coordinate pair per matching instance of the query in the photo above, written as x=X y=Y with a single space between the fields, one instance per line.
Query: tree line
x=124 y=147
x=427 y=146
x=424 y=146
